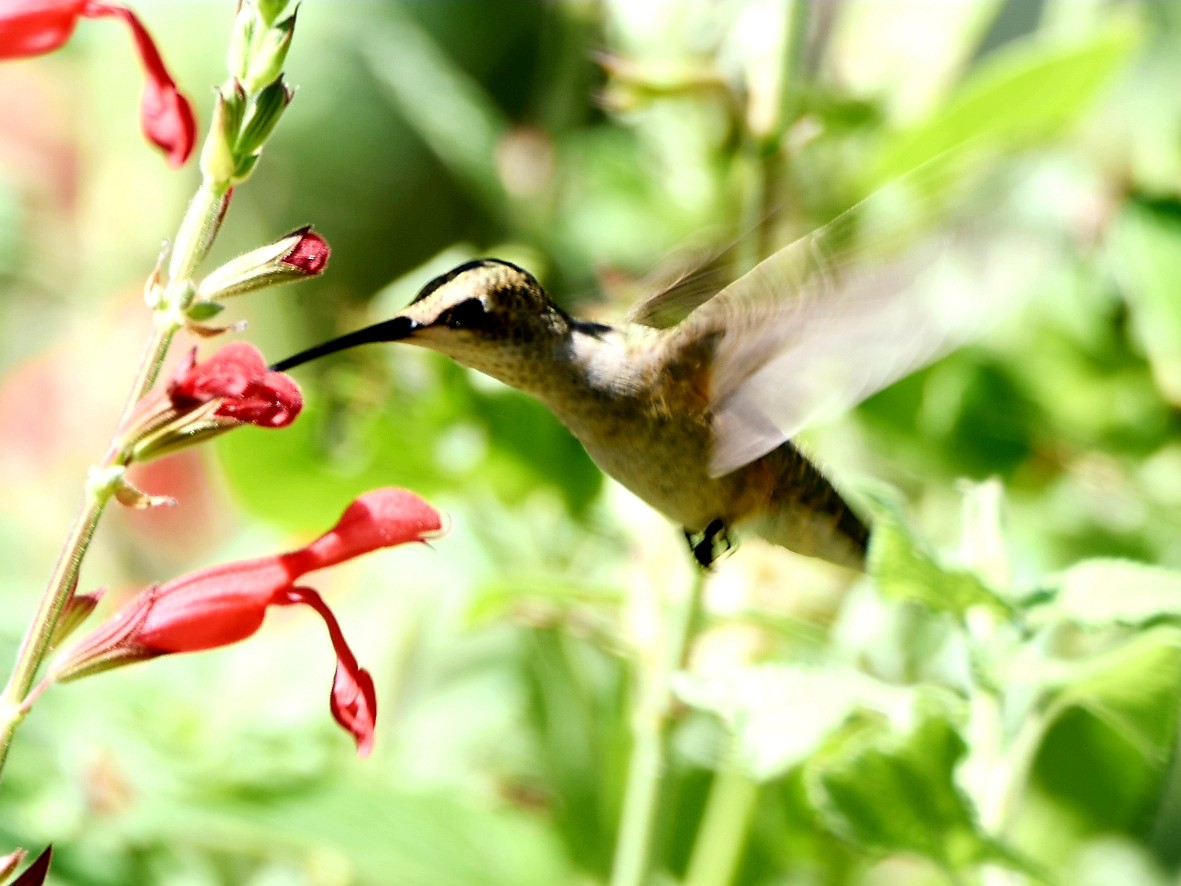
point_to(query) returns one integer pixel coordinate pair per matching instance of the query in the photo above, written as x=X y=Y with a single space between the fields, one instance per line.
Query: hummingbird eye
x=468 y=314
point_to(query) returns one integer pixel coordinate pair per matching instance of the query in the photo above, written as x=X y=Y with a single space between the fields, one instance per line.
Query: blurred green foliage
x=895 y=731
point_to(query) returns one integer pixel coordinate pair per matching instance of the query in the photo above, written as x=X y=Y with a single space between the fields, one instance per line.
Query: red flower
x=310 y=253
x=33 y=27
x=225 y=604
x=238 y=376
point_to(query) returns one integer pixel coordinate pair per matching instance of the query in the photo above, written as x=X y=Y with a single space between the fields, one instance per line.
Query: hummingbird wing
x=690 y=282
x=843 y=312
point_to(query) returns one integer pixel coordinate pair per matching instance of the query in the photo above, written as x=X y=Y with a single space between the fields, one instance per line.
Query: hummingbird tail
x=809 y=516
x=388 y=330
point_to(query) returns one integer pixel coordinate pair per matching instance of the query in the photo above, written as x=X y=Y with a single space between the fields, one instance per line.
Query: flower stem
x=36 y=640
x=193 y=239
x=647 y=764
x=719 y=842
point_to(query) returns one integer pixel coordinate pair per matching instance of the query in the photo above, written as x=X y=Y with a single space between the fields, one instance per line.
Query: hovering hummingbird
x=691 y=402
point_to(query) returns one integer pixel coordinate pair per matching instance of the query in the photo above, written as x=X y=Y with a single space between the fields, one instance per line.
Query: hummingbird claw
x=709 y=544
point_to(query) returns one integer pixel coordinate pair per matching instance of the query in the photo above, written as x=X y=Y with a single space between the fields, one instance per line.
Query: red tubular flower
x=238 y=376
x=231 y=388
x=34 y=27
x=225 y=604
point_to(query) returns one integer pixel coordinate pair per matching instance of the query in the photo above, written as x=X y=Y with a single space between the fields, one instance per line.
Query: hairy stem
x=194 y=237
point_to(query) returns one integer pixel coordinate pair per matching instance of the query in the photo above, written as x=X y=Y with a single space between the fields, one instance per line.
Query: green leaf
x=1103 y=593
x=1112 y=734
x=1019 y=94
x=1135 y=689
x=902 y=570
x=896 y=792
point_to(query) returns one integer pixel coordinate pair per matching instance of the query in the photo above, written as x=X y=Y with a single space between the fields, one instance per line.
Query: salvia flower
x=225 y=604
x=296 y=256
x=231 y=388
x=34 y=27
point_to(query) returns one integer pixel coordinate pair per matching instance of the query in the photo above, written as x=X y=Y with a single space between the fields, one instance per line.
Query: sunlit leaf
x=1134 y=688
x=902 y=570
x=1103 y=593
x=896 y=792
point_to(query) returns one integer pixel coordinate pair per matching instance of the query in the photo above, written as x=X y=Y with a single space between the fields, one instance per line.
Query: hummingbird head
x=489 y=315
x=486 y=314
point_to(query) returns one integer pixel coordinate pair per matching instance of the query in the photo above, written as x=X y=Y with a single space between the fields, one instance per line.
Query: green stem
x=193 y=239
x=723 y=830
x=36 y=640
x=647 y=765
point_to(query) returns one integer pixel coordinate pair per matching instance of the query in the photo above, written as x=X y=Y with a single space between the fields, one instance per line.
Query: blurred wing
x=693 y=281
x=884 y=289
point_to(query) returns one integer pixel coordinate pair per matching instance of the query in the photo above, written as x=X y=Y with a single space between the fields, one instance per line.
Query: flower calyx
x=296 y=256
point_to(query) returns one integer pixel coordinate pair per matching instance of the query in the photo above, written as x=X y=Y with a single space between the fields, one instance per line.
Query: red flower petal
x=165 y=115
x=378 y=519
x=228 y=373
x=168 y=121
x=310 y=254
x=238 y=375
x=212 y=607
x=273 y=401
x=33 y=27
x=354 y=700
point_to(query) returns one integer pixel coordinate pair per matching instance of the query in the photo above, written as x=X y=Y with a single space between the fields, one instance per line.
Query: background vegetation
x=1012 y=722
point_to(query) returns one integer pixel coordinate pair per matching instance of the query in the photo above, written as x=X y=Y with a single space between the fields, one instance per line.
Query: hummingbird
x=692 y=401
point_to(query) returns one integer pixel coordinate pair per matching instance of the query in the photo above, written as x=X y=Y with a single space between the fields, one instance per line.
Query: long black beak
x=394 y=329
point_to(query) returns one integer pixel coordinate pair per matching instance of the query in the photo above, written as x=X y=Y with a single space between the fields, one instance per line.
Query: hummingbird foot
x=708 y=545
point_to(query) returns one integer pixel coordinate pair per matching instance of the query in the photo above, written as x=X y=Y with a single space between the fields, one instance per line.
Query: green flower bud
x=218 y=163
x=269 y=54
x=246 y=23
x=269 y=10
x=269 y=106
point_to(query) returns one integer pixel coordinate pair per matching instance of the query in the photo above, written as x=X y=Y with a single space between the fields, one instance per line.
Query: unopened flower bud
x=269 y=10
x=241 y=37
x=268 y=108
x=301 y=254
x=218 y=163
x=269 y=54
